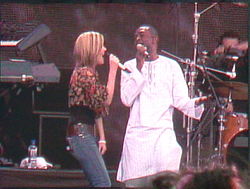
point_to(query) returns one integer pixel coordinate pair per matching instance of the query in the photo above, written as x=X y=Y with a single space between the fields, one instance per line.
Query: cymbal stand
x=222 y=121
x=186 y=72
x=192 y=78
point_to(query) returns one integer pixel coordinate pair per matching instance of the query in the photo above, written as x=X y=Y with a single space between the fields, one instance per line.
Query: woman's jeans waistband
x=79 y=129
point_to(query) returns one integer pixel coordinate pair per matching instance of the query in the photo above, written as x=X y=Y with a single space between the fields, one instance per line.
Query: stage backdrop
x=118 y=22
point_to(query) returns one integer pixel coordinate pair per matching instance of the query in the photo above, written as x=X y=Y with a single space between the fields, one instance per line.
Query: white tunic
x=150 y=144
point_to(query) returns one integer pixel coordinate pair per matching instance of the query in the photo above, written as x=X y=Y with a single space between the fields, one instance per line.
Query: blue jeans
x=85 y=150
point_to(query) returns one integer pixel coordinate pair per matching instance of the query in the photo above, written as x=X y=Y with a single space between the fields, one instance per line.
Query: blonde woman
x=88 y=103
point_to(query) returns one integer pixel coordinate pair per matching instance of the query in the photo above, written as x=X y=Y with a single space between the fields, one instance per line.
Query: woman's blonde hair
x=87 y=47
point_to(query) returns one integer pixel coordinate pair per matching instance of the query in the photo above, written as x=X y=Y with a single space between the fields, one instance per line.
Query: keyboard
x=21 y=71
x=10 y=43
x=24 y=38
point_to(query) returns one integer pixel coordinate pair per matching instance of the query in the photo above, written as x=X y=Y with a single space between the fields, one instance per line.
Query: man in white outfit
x=152 y=89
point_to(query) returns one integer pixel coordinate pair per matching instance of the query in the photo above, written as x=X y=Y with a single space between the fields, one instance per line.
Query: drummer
x=232 y=51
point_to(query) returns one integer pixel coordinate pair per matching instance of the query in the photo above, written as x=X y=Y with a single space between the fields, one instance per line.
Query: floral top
x=85 y=90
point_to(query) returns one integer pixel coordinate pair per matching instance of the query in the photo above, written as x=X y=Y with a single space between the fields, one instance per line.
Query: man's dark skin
x=149 y=43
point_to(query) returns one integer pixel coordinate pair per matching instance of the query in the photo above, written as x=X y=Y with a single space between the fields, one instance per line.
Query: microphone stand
x=229 y=74
x=188 y=61
x=203 y=124
x=192 y=77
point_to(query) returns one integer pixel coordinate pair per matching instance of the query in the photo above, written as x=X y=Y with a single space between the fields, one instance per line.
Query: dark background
x=118 y=22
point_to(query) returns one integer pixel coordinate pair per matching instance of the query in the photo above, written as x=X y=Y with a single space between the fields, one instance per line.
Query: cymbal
x=239 y=90
x=241 y=4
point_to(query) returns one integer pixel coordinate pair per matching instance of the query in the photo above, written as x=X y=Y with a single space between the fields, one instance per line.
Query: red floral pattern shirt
x=86 y=90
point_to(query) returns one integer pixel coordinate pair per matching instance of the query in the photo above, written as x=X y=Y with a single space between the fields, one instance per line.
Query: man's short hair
x=229 y=34
x=151 y=28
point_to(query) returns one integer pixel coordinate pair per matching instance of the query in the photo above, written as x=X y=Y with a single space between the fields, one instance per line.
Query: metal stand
x=191 y=82
x=221 y=119
x=198 y=134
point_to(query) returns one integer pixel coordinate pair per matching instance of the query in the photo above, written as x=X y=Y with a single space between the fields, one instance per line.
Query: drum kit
x=230 y=123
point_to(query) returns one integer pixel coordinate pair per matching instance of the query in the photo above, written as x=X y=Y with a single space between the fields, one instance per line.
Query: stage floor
x=11 y=177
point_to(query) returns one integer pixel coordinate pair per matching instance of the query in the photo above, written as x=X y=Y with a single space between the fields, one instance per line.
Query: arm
x=131 y=86
x=100 y=130
x=243 y=46
x=219 y=50
x=113 y=65
x=181 y=100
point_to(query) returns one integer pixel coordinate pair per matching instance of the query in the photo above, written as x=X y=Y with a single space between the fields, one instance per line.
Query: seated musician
x=231 y=47
x=231 y=52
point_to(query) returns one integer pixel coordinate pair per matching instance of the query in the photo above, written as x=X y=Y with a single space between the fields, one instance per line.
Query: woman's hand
x=113 y=65
x=113 y=62
x=102 y=147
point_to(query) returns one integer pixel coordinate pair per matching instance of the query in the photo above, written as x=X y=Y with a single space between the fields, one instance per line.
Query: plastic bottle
x=32 y=152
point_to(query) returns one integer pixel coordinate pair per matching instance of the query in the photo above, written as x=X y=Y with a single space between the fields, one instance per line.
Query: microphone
x=120 y=65
x=123 y=68
x=141 y=47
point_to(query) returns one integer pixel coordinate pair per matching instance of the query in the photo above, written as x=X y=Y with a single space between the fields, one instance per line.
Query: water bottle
x=32 y=152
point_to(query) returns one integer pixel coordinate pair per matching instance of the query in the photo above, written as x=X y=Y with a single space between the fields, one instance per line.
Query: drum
x=235 y=123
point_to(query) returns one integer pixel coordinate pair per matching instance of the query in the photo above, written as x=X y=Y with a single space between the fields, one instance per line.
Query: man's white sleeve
x=131 y=86
x=181 y=98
